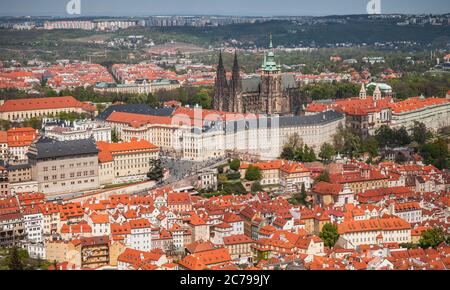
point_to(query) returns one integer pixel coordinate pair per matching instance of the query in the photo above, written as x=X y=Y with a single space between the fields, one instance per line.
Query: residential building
x=374 y=231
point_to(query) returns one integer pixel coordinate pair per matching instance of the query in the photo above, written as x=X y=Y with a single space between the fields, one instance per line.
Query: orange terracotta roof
x=78 y=228
x=373 y=225
x=3 y=137
x=175 y=198
x=137 y=120
x=407 y=206
x=417 y=103
x=121 y=147
x=43 y=103
x=325 y=188
x=202 y=260
x=237 y=239
x=99 y=218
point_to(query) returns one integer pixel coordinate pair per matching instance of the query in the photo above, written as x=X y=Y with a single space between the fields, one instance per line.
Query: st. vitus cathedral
x=269 y=93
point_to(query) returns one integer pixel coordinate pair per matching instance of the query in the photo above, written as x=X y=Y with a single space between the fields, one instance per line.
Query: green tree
x=308 y=154
x=324 y=176
x=234 y=175
x=235 y=164
x=5 y=125
x=299 y=197
x=15 y=263
x=326 y=152
x=293 y=149
x=253 y=173
x=384 y=136
x=329 y=235
x=114 y=135
x=436 y=153
x=202 y=98
x=256 y=187
x=34 y=123
x=432 y=238
x=409 y=245
x=347 y=142
x=402 y=136
x=287 y=153
x=304 y=154
x=370 y=145
x=420 y=133
x=100 y=108
x=156 y=172
x=352 y=145
x=222 y=178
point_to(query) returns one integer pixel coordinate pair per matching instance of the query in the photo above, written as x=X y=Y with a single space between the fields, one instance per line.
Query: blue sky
x=220 y=7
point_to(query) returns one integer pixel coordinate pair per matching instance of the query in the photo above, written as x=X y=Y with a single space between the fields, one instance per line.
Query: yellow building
x=125 y=161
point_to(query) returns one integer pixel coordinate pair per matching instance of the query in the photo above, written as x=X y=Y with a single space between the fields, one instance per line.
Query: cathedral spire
x=270 y=42
x=235 y=64
x=269 y=63
x=220 y=65
x=220 y=99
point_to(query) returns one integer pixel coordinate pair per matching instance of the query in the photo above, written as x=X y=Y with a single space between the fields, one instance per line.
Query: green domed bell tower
x=271 y=91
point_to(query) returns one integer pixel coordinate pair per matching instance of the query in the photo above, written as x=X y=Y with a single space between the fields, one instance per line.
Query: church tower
x=377 y=93
x=271 y=99
x=221 y=90
x=235 y=104
x=363 y=92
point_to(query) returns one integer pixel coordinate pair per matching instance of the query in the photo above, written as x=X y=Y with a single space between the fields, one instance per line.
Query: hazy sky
x=221 y=7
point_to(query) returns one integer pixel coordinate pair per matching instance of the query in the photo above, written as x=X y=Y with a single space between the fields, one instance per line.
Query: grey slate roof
x=142 y=109
x=283 y=121
x=11 y=167
x=325 y=117
x=252 y=84
x=50 y=148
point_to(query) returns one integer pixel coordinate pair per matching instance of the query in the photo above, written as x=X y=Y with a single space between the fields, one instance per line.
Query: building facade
x=64 y=166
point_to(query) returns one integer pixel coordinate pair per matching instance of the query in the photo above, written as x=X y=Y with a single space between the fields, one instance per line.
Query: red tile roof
x=373 y=225
x=416 y=103
x=44 y=103
x=325 y=188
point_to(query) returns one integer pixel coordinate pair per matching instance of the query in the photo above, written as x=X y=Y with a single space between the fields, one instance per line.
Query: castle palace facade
x=269 y=93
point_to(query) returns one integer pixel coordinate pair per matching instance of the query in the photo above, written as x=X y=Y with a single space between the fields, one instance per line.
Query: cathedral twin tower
x=265 y=94
x=228 y=95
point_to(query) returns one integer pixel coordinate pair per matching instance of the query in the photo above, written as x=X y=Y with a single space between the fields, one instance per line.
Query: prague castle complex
x=270 y=93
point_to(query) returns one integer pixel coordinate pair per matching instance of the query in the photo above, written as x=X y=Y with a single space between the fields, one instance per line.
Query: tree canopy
x=329 y=234
x=432 y=238
x=253 y=173
x=156 y=172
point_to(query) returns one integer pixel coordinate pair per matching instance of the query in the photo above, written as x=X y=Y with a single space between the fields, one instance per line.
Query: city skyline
x=203 y=7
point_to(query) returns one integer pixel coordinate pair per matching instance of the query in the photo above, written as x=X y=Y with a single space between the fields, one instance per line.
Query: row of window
x=72 y=175
x=71 y=165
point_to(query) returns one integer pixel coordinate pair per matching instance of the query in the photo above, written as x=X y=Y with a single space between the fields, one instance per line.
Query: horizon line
x=217 y=15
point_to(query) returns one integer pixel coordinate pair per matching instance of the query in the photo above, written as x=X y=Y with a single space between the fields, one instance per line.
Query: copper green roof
x=269 y=63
